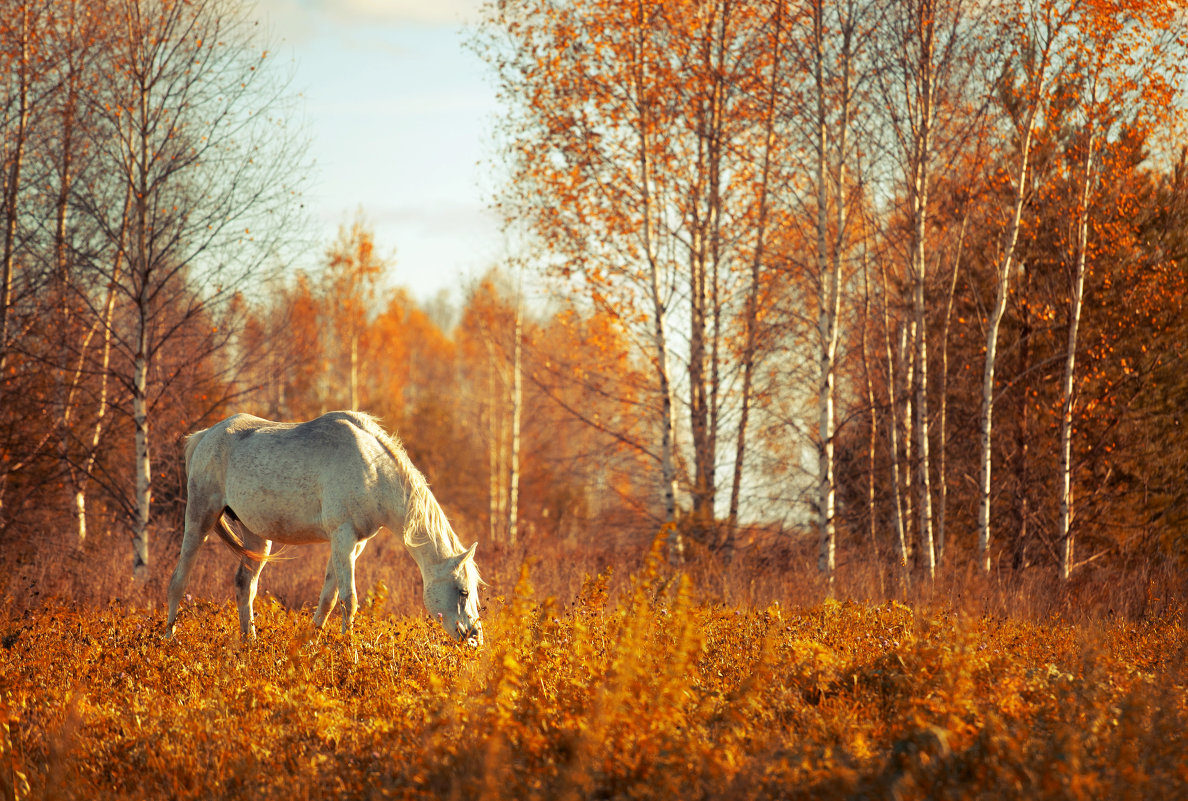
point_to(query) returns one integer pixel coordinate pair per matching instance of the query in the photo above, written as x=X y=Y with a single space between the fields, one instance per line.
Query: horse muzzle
x=472 y=636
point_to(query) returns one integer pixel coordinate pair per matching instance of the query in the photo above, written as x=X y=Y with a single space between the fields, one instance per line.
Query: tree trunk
x=906 y=353
x=919 y=197
x=668 y=486
x=943 y=412
x=751 y=314
x=513 y=482
x=703 y=277
x=143 y=472
x=676 y=548
x=900 y=517
x=12 y=183
x=873 y=430
x=828 y=283
x=994 y=322
x=1068 y=384
x=923 y=470
x=1022 y=440
x=831 y=179
x=141 y=280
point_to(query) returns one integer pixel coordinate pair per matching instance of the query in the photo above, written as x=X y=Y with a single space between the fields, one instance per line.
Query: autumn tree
x=1037 y=33
x=835 y=44
x=635 y=139
x=489 y=341
x=352 y=272
x=932 y=53
x=1127 y=65
x=193 y=189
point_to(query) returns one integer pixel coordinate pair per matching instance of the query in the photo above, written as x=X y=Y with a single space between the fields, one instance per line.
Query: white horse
x=337 y=478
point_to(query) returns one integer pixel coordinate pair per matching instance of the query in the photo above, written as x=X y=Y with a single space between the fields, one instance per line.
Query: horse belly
x=288 y=513
x=280 y=522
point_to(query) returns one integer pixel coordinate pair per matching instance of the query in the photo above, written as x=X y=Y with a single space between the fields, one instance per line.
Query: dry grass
x=633 y=686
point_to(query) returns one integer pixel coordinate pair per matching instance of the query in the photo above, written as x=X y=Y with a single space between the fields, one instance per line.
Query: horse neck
x=428 y=555
x=411 y=502
x=428 y=548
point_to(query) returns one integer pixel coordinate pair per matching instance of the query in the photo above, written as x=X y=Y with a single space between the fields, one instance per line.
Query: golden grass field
x=646 y=692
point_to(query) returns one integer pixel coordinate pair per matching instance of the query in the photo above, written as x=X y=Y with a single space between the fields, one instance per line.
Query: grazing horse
x=337 y=478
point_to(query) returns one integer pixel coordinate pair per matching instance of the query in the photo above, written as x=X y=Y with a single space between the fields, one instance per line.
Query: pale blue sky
x=399 y=117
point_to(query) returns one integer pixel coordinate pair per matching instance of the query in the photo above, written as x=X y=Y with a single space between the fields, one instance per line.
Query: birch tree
x=1023 y=91
x=834 y=42
x=931 y=96
x=1128 y=62
x=774 y=83
x=630 y=136
x=184 y=131
x=352 y=272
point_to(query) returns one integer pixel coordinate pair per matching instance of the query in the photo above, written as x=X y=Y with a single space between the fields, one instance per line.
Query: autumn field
x=636 y=687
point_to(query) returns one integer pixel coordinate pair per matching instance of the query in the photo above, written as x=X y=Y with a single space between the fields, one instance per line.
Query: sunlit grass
x=646 y=694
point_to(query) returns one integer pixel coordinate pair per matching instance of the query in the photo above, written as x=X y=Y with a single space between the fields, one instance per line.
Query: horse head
x=451 y=595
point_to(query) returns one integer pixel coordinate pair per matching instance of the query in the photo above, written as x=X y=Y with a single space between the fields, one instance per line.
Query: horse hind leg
x=247 y=579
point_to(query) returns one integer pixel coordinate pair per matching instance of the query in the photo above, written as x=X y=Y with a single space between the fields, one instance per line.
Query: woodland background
x=870 y=297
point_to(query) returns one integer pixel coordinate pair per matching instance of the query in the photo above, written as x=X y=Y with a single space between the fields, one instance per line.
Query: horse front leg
x=328 y=597
x=343 y=551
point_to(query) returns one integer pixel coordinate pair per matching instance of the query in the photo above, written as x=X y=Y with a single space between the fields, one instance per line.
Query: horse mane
x=423 y=514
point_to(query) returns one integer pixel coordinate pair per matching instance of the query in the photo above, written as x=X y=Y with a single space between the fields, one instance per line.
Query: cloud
x=450 y=11
x=300 y=18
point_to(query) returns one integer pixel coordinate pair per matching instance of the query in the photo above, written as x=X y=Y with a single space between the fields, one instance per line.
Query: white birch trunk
x=1068 y=385
x=921 y=153
x=141 y=279
x=893 y=441
x=828 y=283
x=943 y=412
x=144 y=493
x=873 y=440
x=923 y=470
x=513 y=482
x=986 y=438
x=675 y=545
x=668 y=487
x=906 y=352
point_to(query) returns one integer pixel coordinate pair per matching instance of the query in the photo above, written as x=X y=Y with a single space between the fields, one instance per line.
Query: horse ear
x=462 y=558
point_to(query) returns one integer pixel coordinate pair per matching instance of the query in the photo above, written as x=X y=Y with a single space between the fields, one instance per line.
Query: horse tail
x=234 y=541
x=229 y=537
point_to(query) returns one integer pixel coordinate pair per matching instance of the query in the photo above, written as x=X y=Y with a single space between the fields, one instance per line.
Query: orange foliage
x=644 y=694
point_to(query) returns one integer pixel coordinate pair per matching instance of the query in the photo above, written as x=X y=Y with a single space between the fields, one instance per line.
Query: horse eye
x=464 y=593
